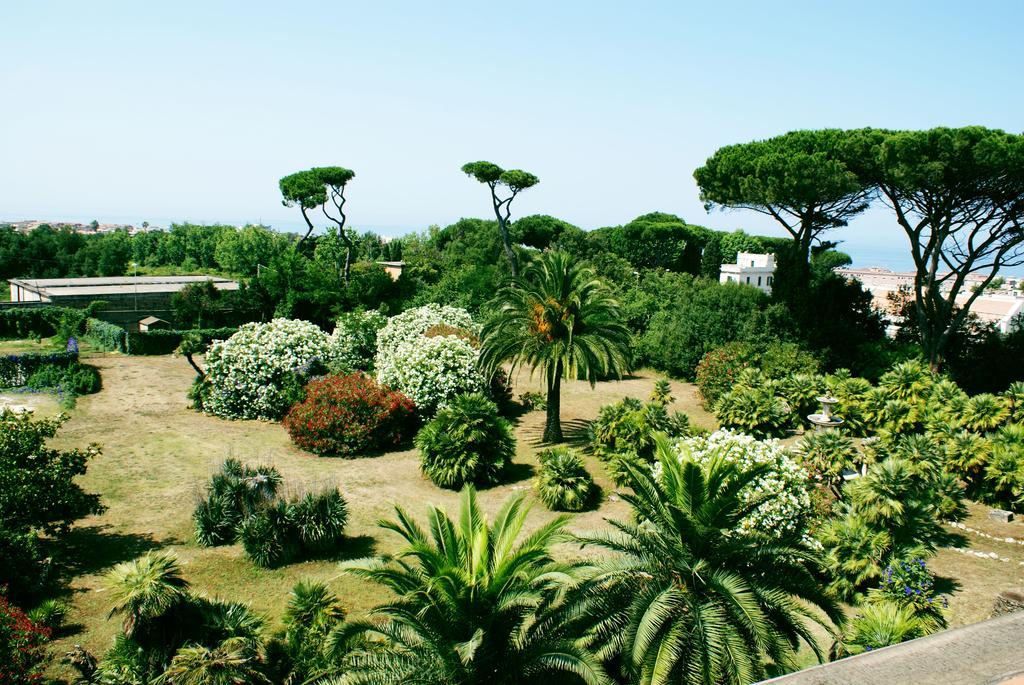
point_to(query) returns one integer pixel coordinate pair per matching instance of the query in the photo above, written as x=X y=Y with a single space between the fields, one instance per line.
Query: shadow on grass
x=946 y=586
x=93 y=549
x=352 y=547
x=575 y=433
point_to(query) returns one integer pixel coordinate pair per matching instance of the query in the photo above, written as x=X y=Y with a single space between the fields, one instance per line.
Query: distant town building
x=753 y=269
x=1000 y=306
x=124 y=297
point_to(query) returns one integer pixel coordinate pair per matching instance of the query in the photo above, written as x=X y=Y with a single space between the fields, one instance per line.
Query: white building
x=757 y=270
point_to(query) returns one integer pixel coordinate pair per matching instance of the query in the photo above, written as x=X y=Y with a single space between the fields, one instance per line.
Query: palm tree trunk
x=553 y=422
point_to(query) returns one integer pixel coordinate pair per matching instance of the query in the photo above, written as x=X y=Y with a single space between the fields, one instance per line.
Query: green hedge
x=35 y=322
x=106 y=336
x=165 y=342
x=16 y=369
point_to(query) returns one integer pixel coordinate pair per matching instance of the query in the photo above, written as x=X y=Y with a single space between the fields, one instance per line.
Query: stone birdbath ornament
x=825 y=419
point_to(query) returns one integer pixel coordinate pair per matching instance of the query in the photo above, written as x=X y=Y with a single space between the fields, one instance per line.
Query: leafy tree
x=800 y=179
x=539 y=230
x=958 y=194
x=687 y=599
x=38 y=493
x=197 y=305
x=494 y=177
x=557 y=318
x=476 y=603
x=317 y=187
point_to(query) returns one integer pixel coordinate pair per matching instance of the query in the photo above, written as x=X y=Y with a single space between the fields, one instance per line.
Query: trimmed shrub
x=347 y=415
x=39 y=322
x=258 y=372
x=355 y=340
x=166 y=342
x=467 y=442
x=564 y=484
x=16 y=369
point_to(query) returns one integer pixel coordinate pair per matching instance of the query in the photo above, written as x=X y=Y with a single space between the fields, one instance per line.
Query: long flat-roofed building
x=127 y=298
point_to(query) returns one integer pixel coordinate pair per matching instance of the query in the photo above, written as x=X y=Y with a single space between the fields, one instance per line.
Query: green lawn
x=157 y=453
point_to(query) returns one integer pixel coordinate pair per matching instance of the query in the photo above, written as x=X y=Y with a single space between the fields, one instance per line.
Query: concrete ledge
x=980 y=654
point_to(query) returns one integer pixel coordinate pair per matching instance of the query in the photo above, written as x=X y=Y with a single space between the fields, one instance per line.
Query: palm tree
x=145 y=589
x=557 y=316
x=689 y=599
x=234 y=662
x=476 y=603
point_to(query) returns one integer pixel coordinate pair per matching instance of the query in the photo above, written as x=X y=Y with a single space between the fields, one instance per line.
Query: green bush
x=825 y=455
x=564 y=484
x=286 y=531
x=166 y=342
x=39 y=322
x=755 y=410
x=466 y=442
x=234 y=493
x=269 y=536
x=106 y=336
x=624 y=432
x=721 y=368
x=51 y=614
x=74 y=379
x=319 y=520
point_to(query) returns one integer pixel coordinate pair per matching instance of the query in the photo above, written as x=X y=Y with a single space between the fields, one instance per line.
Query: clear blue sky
x=193 y=110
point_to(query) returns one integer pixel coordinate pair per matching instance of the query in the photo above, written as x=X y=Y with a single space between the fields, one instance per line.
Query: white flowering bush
x=432 y=371
x=429 y=355
x=413 y=323
x=789 y=504
x=254 y=373
x=354 y=340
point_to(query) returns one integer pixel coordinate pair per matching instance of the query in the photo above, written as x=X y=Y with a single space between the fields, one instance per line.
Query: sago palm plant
x=560 y=319
x=688 y=598
x=476 y=603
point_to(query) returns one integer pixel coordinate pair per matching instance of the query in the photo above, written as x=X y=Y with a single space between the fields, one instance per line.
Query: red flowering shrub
x=346 y=415
x=717 y=371
x=22 y=646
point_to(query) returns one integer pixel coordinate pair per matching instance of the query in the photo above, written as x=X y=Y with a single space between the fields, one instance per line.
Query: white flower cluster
x=431 y=371
x=248 y=371
x=413 y=323
x=785 y=483
x=354 y=339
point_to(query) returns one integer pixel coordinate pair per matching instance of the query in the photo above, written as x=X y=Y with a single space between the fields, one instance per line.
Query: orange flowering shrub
x=350 y=414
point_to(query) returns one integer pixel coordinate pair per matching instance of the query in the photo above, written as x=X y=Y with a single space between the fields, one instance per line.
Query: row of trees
x=957 y=194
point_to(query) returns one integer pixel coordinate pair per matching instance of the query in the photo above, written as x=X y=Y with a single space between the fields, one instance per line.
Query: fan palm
x=476 y=603
x=986 y=412
x=232 y=663
x=690 y=599
x=146 y=589
x=559 y=318
x=881 y=624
